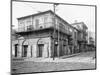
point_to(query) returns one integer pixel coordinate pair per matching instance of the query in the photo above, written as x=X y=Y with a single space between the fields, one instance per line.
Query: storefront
x=36 y=47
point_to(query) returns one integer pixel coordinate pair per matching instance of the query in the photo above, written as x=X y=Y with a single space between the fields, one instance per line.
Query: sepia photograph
x=52 y=37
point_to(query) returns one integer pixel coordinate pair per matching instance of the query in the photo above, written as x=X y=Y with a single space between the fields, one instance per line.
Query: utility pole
x=54 y=33
x=58 y=40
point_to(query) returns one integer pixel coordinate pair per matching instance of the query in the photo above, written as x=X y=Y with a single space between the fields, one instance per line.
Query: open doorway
x=16 y=50
x=40 y=47
x=25 y=49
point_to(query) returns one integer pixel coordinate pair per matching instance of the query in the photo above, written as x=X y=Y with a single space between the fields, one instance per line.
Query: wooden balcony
x=43 y=26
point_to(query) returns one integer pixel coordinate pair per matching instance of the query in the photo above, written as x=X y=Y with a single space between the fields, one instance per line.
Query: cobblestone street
x=80 y=61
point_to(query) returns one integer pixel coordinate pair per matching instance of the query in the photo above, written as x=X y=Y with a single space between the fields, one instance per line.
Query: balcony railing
x=43 y=26
x=31 y=27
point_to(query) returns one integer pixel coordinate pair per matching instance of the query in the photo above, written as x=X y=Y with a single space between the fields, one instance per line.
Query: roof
x=80 y=23
x=41 y=13
x=49 y=11
x=77 y=23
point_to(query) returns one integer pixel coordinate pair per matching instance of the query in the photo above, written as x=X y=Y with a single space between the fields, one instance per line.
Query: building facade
x=82 y=35
x=37 y=36
x=91 y=41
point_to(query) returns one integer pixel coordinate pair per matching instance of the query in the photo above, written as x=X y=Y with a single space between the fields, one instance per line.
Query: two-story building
x=37 y=36
x=82 y=37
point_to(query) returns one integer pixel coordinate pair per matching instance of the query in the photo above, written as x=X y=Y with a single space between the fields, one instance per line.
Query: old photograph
x=52 y=37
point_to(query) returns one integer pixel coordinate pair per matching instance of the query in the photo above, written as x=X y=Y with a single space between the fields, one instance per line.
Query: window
x=56 y=21
x=55 y=50
x=28 y=23
x=75 y=34
x=21 y=22
x=30 y=27
x=45 y=19
x=70 y=30
x=66 y=28
x=21 y=26
x=61 y=27
x=37 y=23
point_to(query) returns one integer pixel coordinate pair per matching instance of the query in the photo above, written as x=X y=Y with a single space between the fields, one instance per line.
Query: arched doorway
x=40 y=47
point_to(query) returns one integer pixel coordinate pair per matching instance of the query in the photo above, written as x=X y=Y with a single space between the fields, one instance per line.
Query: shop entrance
x=16 y=50
x=25 y=48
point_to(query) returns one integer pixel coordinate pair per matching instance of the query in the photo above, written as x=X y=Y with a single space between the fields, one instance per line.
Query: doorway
x=25 y=48
x=55 y=51
x=41 y=47
x=16 y=50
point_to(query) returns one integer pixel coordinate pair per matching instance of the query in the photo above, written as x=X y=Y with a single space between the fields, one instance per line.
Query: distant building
x=82 y=35
x=37 y=40
x=91 y=41
x=91 y=37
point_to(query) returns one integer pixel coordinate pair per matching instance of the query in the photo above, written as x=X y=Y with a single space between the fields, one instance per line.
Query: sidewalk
x=79 y=57
x=51 y=59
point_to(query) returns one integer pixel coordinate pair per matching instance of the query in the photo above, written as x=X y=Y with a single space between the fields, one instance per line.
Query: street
x=81 y=61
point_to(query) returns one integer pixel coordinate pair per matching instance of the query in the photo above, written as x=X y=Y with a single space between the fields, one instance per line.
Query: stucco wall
x=23 y=23
x=33 y=46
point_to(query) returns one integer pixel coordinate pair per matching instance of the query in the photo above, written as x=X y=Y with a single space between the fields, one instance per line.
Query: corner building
x=36 y=36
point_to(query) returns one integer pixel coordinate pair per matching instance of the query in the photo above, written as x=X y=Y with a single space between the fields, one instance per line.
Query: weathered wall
x=33 y=46
x=44 y=21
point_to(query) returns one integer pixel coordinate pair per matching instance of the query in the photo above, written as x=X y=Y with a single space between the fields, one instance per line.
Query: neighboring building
x=82 y=35
x=91 y=41
x=37 y=40
x=91 y=37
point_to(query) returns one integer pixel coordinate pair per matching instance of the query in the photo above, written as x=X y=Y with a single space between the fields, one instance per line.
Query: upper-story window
x=75 y=33
x=57 y=22
x=21 y=22
x=21 y=25
x=66 y=28
x=62 y=27
x=37 y=23
x=28 y=23
x=45 y=19
x=70 y=30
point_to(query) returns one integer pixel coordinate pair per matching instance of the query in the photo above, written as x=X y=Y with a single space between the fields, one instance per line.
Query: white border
x=5 y=37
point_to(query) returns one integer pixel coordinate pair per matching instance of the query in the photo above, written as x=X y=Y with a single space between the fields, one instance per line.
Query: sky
x=70 y=13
